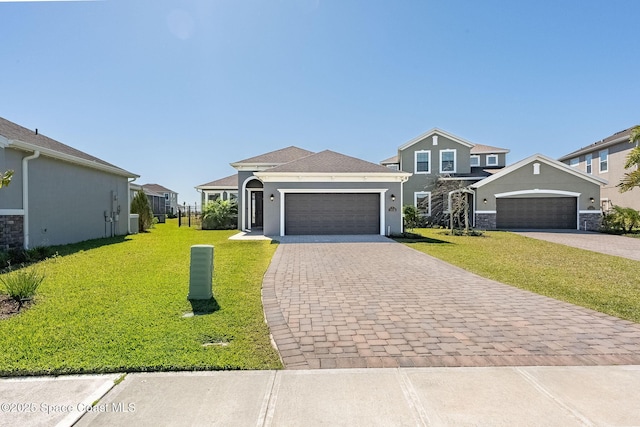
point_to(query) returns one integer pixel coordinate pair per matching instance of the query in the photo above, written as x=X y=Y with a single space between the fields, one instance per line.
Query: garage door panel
x=537 y=213
x=332 y=213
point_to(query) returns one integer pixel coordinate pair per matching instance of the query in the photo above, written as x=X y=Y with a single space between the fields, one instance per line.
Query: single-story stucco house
x=58 y=194
x=293 y=191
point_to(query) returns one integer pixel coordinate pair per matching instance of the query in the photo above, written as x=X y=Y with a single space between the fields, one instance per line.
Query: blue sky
x=176 y=90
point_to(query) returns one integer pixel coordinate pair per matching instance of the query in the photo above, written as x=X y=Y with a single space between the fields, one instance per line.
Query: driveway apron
x=379 y=303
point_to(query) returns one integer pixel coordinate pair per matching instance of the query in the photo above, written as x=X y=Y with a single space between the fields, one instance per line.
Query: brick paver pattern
x=355 y=305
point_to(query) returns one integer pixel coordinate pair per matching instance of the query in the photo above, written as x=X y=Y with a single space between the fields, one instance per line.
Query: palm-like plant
x=632 y=179
x=5 y=178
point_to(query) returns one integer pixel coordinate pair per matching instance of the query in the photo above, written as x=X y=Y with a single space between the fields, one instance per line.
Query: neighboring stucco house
x=534 y=193
x=437 y=154
x=170 y=204
x=293 y=191
x=224 y=188
x=58 y=194
x=606 y=159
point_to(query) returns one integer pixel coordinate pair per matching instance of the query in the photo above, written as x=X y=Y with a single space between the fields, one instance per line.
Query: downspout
x=25 y=195
x=129 y=205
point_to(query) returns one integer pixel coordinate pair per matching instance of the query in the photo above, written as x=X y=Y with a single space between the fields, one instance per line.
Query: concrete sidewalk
x=508 y=396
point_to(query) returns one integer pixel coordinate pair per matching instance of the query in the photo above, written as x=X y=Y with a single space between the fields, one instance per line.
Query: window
x=604 y=160
x=212 y=197
x=475 y=160
x=394 y=166
x=588 y=160
x=233 y=195
x=574 y=162
x=423 y=162
x=448 y=161
x=422 y=201
x=166 y=196
x=492 y=160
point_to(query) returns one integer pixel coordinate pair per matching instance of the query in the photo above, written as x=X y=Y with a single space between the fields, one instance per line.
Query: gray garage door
x=540 y=213
x=332 y=213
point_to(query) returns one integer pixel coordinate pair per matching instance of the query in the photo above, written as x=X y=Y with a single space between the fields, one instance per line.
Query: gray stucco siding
x=67 y=202
x=407 y=158
x=550 y=178
x=12 y=195
x=392 y=209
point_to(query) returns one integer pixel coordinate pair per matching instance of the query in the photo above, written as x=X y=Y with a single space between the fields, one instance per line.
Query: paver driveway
x=383 y=304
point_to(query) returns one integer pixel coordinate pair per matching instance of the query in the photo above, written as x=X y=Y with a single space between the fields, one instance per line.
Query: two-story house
x=606 y=159
x=170 y=204
x=534 y=193
x=439 y=155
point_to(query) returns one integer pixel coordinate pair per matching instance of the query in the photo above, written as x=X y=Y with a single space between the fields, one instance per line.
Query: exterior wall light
x=592 y=200
x=484 y=201
x=393 y=198
x=271 y=197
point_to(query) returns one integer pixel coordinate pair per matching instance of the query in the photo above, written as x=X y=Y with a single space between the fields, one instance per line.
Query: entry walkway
x=626 y=247
x=383 y=304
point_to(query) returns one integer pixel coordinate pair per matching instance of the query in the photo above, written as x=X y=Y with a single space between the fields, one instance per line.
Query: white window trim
x=415 y=162
x=536 y=168
x=588 y=163
x=422 y=194
x=489 y=160
x=455 y=158
x=606 y=151
x=476 y=157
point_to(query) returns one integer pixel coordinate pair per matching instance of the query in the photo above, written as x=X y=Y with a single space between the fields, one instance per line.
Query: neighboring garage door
x=540 y=213
x=332 y=213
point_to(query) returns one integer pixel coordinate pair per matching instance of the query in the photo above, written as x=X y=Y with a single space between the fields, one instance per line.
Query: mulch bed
x=9 y=307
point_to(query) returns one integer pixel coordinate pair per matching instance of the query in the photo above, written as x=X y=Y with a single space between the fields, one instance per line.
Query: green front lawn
x=114 y=305
x=604 y=283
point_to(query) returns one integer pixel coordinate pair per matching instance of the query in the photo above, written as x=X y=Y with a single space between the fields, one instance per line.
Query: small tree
x=621 y=219
x=220 y=215
x=411 y=216
x=5 y=178
x=140 y=205
x=632 y=179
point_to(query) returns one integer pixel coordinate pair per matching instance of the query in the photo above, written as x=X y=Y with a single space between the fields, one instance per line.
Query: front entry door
x=256 y=209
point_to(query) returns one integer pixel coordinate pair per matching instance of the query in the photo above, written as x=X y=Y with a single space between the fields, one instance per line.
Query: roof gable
x=329 y=162
x=436 y=131
x=542 y=159
x=487 y=149
x=230 y=181
x=622 y=136
x=23 y=138
x=272 y=158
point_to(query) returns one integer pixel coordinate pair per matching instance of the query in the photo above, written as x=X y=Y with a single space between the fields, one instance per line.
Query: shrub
x=22 y=284
x=220 y=215
x=621 y=220
x=140 y=205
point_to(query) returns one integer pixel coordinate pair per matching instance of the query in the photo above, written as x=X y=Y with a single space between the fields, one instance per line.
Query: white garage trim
x=537 y=191
x=380 y=191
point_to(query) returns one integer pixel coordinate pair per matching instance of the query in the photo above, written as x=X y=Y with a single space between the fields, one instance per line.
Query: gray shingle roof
x=12 y=130
x=228 y=181
x=610 y=140
x=390 y=160
x=330 y=162
x=157 y=188
x=277 y=157
x=481 y=148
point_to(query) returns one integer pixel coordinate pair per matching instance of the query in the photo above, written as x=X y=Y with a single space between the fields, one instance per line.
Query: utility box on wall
x=201 y=272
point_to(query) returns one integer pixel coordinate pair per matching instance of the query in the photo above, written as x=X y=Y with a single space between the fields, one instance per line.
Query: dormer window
x=492 y=160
